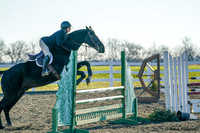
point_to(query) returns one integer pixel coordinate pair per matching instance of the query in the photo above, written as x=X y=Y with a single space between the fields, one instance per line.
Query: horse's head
x=93 y=40
x=78 y=37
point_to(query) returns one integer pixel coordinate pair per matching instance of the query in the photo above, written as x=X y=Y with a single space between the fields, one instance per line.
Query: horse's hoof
x=2 y=127
x=8 y=125
x=88 y=81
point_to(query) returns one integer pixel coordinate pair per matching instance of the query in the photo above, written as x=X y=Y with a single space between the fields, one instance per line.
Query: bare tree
x=133 y=51
x=17 y=51
x=152 y=50
x=161 y=50
x=190 y=47
x=34 y=47
x=156 y=50
x=176 y=51
x=197 y=58
x=2 y=48
x=113 y=47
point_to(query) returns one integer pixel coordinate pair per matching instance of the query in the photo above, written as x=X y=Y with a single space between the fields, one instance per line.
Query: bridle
x=95 y=44
x=88 y=35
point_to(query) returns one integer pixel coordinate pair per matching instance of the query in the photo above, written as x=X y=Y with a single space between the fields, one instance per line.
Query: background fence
x=111 y=71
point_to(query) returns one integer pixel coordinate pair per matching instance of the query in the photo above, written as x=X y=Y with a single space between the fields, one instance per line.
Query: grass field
x=105 y=75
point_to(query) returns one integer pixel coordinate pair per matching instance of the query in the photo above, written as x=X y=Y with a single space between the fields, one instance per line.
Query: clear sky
x=144 y=22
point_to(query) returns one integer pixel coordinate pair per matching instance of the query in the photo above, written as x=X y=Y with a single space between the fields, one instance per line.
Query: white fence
x=111 y=71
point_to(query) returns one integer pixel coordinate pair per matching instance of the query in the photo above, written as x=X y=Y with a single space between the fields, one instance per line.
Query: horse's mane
x=76 y=31
x=81 y=30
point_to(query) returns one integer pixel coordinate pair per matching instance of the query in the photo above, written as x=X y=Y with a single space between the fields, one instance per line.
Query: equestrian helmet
x=65 y=25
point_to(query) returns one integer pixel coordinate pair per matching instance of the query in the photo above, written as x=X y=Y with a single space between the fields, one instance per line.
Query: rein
x=88 y=35
x=85 y=51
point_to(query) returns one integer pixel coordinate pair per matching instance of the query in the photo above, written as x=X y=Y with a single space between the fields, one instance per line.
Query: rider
x=56 y=39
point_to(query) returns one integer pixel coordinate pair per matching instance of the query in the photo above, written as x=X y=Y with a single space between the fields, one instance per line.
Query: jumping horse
x=23 y=76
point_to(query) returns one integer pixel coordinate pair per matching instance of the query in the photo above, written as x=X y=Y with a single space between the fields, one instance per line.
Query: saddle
x=38 y=58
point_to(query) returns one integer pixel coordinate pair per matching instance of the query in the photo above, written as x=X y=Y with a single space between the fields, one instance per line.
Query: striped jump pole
x=193 y=93
x=193 y=84
x=194 y=89
x=194 y=77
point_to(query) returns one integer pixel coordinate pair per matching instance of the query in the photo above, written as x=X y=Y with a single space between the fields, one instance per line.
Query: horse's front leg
x=89 y=78
x=81 y=78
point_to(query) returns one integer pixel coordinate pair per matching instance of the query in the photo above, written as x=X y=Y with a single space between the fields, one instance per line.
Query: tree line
x=136 y=52
x=17 y=51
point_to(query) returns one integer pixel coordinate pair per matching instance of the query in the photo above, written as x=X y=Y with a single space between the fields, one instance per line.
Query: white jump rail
x=100 y=99
x=100 y=90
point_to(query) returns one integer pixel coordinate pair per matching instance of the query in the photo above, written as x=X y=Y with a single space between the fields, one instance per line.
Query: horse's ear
x=91 y=28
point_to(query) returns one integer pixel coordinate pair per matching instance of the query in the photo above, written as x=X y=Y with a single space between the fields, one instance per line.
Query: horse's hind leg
x=8 y=108
x=3 y=104
x=6 y=112
x=6 y=104
x=1 y=125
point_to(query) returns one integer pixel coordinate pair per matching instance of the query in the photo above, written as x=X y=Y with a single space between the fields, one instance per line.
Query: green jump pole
x=73 y=121
x=55 y=120
x=135 y=115
x=123 y=82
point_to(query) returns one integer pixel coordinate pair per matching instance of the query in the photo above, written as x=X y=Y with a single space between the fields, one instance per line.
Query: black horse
x=19 y=78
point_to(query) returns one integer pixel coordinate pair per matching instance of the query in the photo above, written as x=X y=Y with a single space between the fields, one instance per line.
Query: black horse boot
x=44 y=67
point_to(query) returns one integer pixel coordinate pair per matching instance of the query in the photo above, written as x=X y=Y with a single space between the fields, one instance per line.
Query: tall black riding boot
x=44 y=67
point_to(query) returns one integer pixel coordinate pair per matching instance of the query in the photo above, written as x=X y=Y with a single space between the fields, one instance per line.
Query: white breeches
x=44 y=48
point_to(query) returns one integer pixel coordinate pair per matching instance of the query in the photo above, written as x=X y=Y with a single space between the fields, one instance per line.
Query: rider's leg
x=44 y=66
x=46 y=60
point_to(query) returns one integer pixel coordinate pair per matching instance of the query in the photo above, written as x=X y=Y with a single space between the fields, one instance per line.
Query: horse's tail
x=1 y=73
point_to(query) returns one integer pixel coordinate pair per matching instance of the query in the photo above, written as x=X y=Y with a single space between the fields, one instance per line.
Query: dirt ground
x=32 y=114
